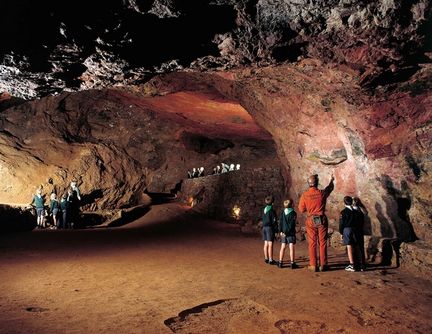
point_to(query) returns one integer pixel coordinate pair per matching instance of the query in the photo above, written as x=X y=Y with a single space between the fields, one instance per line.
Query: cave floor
x=172 y=271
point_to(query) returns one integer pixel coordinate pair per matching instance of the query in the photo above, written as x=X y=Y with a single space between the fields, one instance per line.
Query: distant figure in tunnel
x=65 y=209
x=224 y=167
x=39 y=203
x=75 y=189
x=313 y=202
x=73 y=208
x=287 y=230
x=269 y=229
x=54 y=209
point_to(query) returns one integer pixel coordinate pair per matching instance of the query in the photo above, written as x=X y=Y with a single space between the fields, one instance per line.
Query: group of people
x=225 y=168
x=313 y=203
x=219 y=169
x=196 y=172
x=63 y=212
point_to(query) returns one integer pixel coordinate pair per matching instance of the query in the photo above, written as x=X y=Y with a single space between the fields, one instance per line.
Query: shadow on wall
x=398 y=203
x=383 y=251
x=88 y=199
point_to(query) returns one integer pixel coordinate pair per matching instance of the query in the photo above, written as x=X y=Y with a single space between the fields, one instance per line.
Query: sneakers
x=323 y=268
x=266 y=260
x=280 y=264
x=294 y=265
x=362 y=267
x=349 y=267
x=271 y=262
x=312 y=268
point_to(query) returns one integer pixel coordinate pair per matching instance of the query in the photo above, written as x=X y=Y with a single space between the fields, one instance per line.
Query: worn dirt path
x=172 y=271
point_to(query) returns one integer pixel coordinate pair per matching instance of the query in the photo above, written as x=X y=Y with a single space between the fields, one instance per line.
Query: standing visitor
x=54 y=209
x=39 y=203
x=287 y=225
x=313 y=202
x=347 y=230
x=269 y=229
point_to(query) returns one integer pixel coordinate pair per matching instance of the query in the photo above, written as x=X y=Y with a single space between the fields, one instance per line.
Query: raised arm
x=330 y=186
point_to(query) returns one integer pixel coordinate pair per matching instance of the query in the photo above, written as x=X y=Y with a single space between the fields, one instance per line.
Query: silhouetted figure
x=65 y=206
x=74 y=207
x=359 y=216
x=54 y=209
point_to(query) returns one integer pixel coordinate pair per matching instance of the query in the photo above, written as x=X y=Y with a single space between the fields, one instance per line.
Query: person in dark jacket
x=359 y=215
x=287 y=230
x=347 y=230
x=65 y=209
x=269 y=230
x=39 y=203
x=54 y=209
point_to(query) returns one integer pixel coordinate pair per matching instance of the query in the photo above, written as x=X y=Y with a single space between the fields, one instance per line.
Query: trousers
x=317 y=236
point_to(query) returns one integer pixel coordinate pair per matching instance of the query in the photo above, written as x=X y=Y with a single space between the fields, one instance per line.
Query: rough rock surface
x=377 y=146
x=236 y=196
x=119 y=145
x=343 y=87
x=53 y=46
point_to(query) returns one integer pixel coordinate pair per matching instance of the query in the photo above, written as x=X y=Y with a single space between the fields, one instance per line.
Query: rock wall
x=119 y=146
x=219 y=195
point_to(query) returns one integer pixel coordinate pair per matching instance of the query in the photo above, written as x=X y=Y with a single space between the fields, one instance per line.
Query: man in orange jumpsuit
x=313 y=201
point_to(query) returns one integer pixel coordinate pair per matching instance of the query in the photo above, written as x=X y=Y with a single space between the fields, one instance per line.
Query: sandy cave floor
x=172 y=271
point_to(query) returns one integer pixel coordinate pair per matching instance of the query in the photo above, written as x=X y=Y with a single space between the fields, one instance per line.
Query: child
x=287 y=231
x=39 y=201
x=347 y=229
x=54 y=208
x=359 y=214
x=269 y=229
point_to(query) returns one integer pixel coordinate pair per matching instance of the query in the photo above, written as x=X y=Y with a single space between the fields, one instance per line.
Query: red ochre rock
x=119 y=146
x=377 y=144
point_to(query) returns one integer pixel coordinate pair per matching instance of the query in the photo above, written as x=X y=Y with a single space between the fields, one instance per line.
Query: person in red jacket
x=313 y=202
